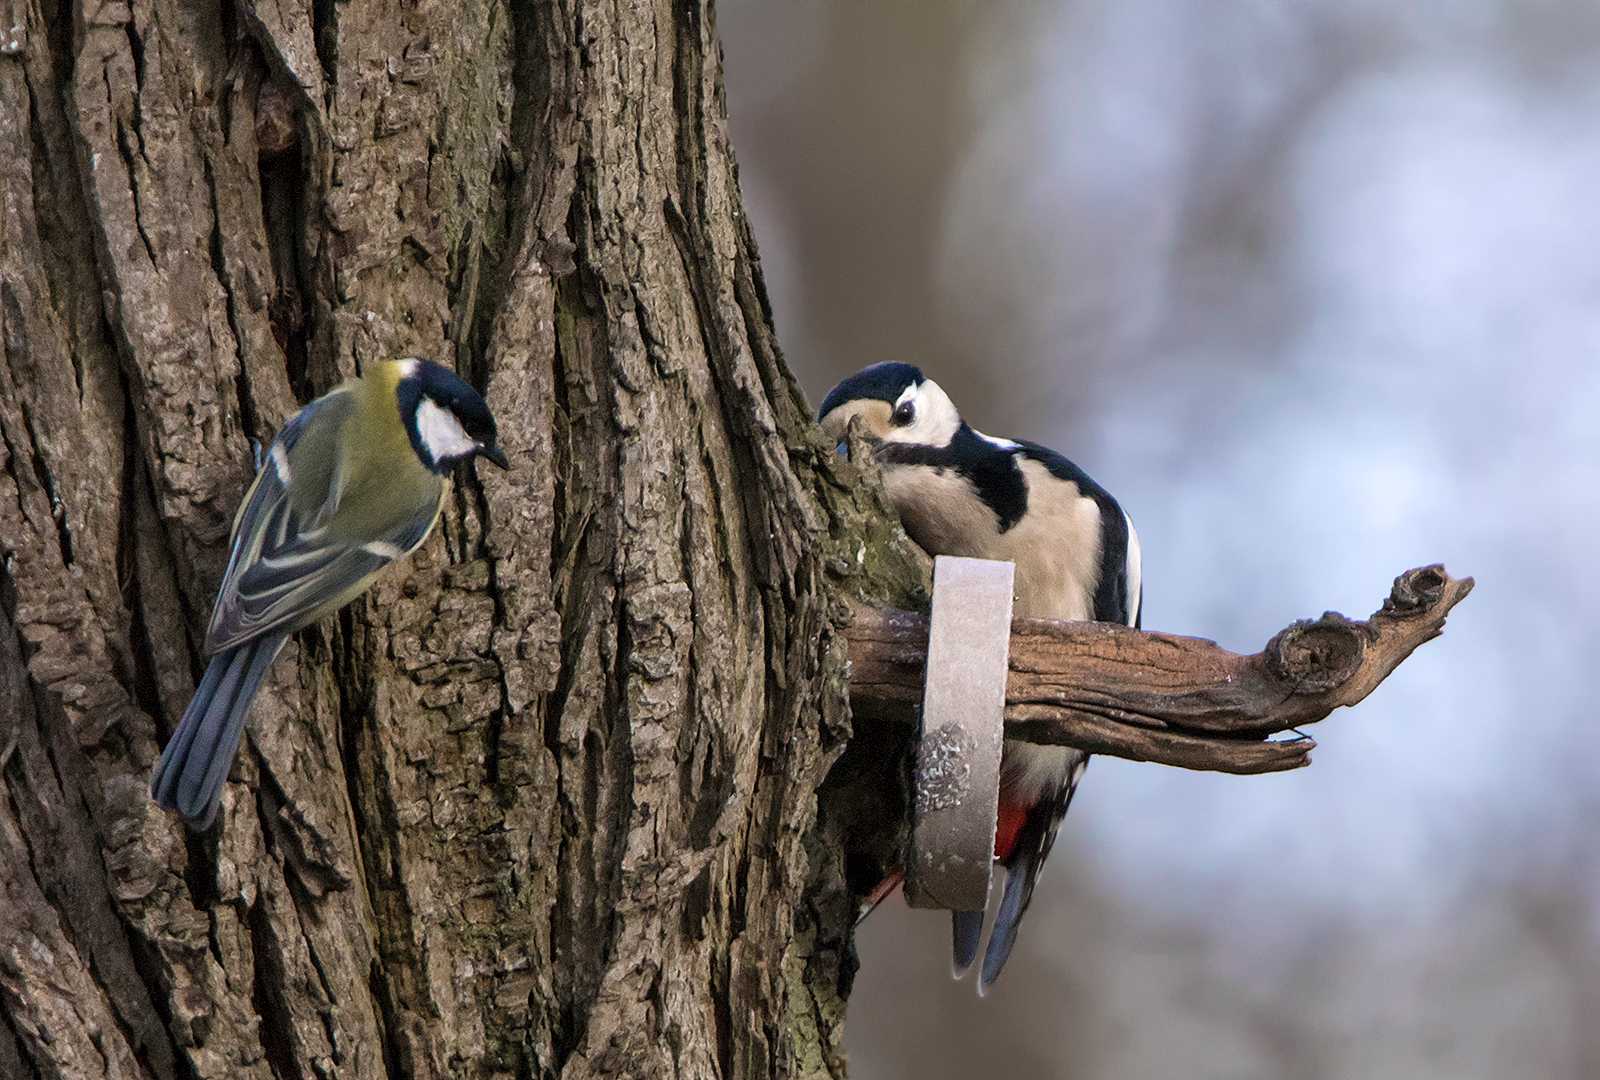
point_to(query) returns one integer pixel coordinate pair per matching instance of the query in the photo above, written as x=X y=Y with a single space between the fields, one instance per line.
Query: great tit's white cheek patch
x=442 y=434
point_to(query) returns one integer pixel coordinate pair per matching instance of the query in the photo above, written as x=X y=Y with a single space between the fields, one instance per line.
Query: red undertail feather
x=1010 y=823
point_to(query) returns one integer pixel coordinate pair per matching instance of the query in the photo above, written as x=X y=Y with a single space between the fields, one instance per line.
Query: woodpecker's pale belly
x=1030 y=771
x=1055 y=546
x=1056 y=550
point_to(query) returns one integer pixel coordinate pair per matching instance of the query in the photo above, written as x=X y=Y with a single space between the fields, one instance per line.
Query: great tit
x=353 y=481
x=960 y=492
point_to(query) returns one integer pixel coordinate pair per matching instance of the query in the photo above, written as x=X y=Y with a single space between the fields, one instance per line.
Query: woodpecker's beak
x=494 y=454
x=861 y=427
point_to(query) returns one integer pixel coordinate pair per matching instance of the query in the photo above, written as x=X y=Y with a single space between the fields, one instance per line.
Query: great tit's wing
x=316 y=485
x=288 y=565
x=293 y=583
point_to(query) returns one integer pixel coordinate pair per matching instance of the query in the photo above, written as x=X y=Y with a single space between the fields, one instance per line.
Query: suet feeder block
x=963 y=725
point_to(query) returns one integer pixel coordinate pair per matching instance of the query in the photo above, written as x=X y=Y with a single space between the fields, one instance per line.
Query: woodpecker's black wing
x=1115 y=598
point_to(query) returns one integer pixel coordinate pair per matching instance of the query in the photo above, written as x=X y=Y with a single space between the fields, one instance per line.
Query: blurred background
x=1313 y=286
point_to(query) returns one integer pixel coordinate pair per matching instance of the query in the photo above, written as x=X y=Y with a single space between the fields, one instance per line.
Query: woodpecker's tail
x=1019 y=888
x=966 y=928
x=189 y=776
x=1033 y=841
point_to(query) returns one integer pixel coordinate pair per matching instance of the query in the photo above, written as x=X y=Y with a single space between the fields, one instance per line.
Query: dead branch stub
x=1161 y=697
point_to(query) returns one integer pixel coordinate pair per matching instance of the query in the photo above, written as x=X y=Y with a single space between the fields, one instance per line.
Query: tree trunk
x=545 y=802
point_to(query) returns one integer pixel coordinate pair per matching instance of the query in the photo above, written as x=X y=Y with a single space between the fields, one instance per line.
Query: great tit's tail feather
x=195 y=763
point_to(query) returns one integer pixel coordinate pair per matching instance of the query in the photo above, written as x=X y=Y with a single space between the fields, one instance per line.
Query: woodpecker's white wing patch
x=1003 y=444
x=442 y=434
x=1135 y=573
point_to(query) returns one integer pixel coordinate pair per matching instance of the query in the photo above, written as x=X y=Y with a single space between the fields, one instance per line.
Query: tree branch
x=1160 y=697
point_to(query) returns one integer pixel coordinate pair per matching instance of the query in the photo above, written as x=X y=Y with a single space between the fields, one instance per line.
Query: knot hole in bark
x=1419 y=588
x=1315 y=657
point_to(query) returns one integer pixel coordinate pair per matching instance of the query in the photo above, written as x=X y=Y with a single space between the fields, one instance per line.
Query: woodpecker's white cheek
x=442 y=434
x=935 y=421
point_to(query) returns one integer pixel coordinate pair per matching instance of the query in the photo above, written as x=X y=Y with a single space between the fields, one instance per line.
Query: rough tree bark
x=545 y=802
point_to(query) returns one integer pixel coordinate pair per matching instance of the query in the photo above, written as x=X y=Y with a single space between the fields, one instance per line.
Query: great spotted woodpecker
x=960 y=492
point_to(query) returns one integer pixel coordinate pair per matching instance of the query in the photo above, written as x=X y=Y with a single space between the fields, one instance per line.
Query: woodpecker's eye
x=904 y=413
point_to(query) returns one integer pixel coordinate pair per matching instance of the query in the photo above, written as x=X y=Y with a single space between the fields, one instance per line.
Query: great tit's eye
x=904 y=413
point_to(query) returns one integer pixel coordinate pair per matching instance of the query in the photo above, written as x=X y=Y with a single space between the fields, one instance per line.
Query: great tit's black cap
x=450 y=391
x=881 y=382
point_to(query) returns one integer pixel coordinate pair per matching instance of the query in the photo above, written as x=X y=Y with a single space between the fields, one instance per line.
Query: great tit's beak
x=494 y=454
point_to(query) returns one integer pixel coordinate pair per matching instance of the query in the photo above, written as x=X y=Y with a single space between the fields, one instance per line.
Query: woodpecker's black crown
x=880 y=382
